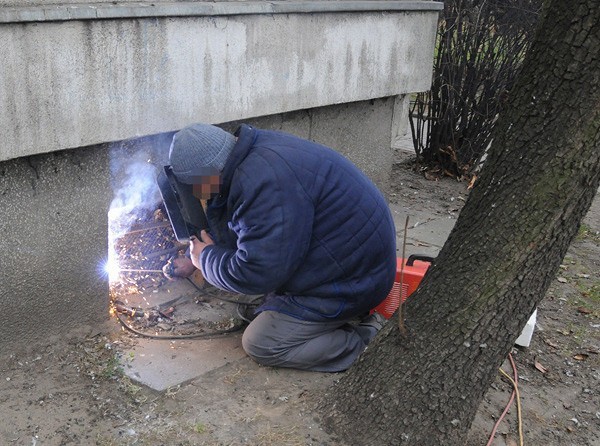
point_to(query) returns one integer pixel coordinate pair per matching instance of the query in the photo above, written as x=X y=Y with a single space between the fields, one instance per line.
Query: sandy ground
x=71 y=391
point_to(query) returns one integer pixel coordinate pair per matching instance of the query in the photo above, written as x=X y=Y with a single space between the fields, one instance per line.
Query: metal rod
x=127 y=270
x=165 y=251
x=142 y=228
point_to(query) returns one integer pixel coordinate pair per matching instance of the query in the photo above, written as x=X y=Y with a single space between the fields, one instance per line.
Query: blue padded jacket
x=299 y=222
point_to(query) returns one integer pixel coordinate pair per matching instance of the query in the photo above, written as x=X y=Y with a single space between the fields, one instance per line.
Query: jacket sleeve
x=272 y=219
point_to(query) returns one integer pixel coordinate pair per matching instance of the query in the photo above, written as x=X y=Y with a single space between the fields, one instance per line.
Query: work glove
x=178 y=266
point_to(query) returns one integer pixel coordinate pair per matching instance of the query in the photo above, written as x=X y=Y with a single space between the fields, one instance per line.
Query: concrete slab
x=162 y=364
x=427 y=231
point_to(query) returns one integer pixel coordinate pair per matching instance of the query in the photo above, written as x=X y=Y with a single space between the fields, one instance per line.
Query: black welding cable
x=240 y=303
x=224 y=299
x=174 y=338
x=197 y=335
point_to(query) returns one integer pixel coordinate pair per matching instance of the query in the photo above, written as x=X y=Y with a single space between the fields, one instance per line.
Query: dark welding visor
x=185 y=211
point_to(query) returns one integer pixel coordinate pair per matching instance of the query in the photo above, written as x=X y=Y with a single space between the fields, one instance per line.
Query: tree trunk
x=538 y=182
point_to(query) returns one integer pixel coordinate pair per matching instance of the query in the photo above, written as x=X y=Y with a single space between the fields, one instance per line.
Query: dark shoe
x=247 y=312
x=374 y=320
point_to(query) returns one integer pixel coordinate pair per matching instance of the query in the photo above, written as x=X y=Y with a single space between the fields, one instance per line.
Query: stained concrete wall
x=358 y=130
x=340 y=78
x=71 y=83
x=52 y=233
x=41 y=3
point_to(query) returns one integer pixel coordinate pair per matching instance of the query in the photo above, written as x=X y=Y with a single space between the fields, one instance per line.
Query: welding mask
x=184 y=210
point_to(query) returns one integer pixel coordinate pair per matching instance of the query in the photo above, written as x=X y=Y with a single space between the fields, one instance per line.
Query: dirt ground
x=72 y=391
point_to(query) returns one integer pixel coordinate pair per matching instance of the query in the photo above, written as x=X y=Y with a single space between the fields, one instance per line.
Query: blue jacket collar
x=246 y=136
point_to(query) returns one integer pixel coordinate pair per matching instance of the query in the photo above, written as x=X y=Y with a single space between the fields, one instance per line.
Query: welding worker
x=298 y=222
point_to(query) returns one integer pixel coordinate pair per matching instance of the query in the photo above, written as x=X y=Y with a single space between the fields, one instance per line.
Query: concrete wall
x=42 y=3
x=70 y=84
x=52 y=233
x=358 y=130
x=74 y=83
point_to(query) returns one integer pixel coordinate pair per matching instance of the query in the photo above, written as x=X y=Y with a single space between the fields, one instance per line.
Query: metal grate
x=146 y=246
x=141 y=252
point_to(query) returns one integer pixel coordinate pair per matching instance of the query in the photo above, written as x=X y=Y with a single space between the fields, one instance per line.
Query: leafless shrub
x=480 y=47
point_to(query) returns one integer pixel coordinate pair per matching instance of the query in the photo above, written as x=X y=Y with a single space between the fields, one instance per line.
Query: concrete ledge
x=83 y=82
x=94 y=11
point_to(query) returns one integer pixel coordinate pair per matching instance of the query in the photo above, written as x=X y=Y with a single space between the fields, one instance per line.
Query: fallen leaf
x=583 y=276
x=551 y=343
x=430 y=177
x=581 y=356
x=472 y=182
x=561 y=279
x=584 y=310
x=540 y=367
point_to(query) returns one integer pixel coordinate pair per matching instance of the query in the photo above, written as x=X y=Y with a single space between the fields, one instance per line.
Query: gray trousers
x=278 y=340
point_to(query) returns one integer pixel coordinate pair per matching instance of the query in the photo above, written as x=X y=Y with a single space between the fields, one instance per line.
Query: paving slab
x=164 y=363
x=161 y=364
x=427 y=231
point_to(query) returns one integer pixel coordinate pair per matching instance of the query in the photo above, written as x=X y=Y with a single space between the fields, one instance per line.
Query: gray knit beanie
x=199 y=150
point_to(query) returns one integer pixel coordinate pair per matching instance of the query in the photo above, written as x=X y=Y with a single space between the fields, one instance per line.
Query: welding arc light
x=111 y=267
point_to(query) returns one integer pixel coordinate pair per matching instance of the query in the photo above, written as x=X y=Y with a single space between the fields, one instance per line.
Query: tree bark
x=538 y=182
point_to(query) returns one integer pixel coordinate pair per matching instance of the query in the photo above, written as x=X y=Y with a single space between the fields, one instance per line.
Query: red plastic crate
x=415 y=268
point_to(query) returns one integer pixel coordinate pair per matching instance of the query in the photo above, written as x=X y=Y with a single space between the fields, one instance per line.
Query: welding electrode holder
x=185 y=211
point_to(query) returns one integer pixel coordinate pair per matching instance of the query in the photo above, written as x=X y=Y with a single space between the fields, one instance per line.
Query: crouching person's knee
x=256 y=345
